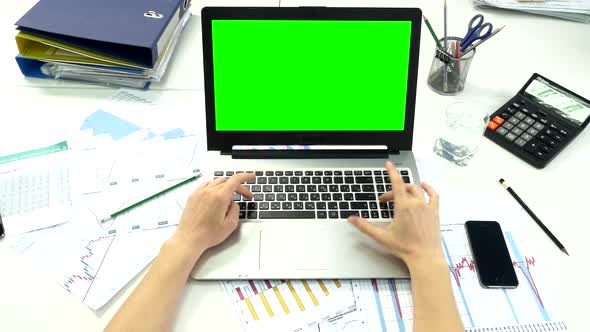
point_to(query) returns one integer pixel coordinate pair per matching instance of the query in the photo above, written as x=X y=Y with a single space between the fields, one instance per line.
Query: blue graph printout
x=387 y=304
x=117 y=128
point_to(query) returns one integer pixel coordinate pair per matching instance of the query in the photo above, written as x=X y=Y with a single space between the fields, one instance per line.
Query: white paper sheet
x=92 y=266
x=288 y=305
x=35 y=192
x=387 y=304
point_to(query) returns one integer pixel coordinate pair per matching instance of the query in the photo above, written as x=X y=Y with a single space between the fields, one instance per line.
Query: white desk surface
x=558 y=194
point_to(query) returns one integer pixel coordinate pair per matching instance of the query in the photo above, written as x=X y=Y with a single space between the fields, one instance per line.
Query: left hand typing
x=210 y=215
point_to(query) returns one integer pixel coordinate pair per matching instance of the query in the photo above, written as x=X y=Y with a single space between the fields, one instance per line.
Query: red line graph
x=399 y=309
x=528 y=262
x=468 y=263
x=524 y=267
x=465 y=263
x=374 y=283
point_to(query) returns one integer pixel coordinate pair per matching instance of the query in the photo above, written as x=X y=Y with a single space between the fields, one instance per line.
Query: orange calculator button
x=497 y=119
x=492 y=125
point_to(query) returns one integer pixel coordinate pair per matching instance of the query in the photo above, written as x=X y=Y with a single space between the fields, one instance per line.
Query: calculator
x=539 y=122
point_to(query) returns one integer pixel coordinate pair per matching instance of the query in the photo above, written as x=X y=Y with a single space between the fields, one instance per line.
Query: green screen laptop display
x=310 y=75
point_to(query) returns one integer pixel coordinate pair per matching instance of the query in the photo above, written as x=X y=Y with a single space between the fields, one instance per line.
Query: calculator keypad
x=527 y=130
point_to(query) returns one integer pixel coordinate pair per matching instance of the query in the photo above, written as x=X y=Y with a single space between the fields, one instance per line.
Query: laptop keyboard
x=316 y=194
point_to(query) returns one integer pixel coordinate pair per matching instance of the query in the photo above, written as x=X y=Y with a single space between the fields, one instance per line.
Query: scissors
x=475 y=31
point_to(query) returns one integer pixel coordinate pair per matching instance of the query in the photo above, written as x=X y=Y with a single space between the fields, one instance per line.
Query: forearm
x=152 y=305
x=435 y=308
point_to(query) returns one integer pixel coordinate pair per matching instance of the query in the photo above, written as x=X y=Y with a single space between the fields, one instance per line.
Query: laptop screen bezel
x=394 y=140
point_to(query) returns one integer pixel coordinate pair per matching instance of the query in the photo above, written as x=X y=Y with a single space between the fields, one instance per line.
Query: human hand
x=210 y=215
x=414 y=235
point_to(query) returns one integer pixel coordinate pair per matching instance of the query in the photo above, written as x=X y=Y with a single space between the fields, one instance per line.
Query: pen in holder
x=449 y=69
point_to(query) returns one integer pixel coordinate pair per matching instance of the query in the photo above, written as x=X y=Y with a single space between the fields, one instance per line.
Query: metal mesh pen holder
x=448 y=71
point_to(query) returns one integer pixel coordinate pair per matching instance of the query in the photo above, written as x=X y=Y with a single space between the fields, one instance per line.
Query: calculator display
x=563 y=103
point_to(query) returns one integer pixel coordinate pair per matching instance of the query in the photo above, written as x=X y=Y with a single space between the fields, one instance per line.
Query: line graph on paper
x=78 y=277
x=387 y=304
x=91 y=265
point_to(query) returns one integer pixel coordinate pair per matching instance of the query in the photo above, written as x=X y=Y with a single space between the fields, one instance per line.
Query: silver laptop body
x=295 y=227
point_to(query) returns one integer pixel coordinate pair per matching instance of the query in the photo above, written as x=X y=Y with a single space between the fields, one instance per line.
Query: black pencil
x=535 y=218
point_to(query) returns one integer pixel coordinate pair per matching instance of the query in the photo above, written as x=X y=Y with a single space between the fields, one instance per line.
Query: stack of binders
x=122 y=43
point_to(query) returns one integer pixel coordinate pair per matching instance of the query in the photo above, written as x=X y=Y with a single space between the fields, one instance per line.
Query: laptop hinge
x=309 y=152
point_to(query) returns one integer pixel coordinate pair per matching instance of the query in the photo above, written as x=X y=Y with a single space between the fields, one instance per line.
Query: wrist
x=183 y=248
x=427 y=264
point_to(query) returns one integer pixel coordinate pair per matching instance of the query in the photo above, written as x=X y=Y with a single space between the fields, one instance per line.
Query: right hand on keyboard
x=414 y=236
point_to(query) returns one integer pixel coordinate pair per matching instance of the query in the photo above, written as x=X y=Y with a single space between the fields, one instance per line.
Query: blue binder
x=131 y=30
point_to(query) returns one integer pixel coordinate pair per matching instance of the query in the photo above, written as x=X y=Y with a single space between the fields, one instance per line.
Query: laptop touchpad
x=313 y=248
x=294 y=250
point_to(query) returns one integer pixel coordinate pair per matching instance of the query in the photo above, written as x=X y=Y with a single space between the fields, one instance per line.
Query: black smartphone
x=492 y=259
x=1 y=228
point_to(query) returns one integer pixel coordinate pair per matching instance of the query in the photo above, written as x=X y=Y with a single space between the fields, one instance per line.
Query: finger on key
x=234 y=184
x=398 y=187
x=386 y=197
x=242 y=190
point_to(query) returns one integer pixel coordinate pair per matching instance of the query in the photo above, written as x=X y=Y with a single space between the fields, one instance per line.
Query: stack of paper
x=102 y=43
x=575 y=10
x=52 y=198
x=90 y=259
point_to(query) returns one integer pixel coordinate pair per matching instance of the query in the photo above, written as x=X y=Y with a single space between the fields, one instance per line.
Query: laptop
x=313 y=101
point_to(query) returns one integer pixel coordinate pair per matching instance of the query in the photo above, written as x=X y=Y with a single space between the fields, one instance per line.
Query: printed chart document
x=127 y=176
x=288 y=305
x=140 y=142
x=35 y=188
x=92 y=266
x=135 y=145
x=132 y=116
x=386 y=305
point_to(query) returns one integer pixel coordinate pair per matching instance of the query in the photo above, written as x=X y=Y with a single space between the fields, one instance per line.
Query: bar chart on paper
x=288 y=304
x=387 y=304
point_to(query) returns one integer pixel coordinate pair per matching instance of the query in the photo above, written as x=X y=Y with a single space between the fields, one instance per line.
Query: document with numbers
x=35 y=190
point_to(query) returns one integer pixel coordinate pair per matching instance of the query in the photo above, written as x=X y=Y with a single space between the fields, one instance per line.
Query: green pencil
x=438 y=44
x=160 y=193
